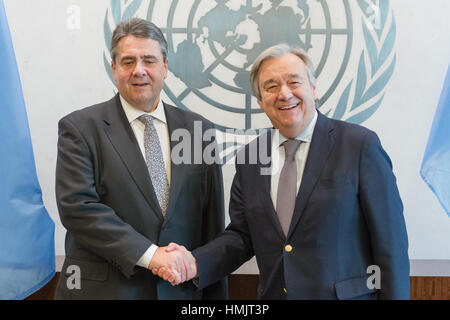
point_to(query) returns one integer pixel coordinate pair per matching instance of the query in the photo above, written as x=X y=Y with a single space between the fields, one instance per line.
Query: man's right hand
x=174 y=263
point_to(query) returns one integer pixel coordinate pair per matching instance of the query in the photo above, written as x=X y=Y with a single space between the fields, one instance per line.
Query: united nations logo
x=212 y=45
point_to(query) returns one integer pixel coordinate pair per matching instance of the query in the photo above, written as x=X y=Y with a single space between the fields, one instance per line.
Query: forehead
x=282 y=67
x=134 y=46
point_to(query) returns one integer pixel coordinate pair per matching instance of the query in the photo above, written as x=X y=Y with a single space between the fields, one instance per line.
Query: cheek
x=121 y=77
x=267 y=101
x=307 y=94
x=162 y=72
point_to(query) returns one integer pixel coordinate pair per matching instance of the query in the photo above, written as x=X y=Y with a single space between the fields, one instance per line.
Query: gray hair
x=139 y=28
x=277 y=52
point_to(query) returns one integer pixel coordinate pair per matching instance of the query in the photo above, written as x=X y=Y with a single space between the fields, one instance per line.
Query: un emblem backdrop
x=379 y=63
x=212 y=45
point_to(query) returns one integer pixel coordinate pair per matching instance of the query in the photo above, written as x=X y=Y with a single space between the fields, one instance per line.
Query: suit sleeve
x=94 y=225
x=383 y=209
x=214 y=224
x=232 y=248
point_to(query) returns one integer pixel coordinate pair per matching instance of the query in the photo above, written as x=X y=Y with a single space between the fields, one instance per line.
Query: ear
x=114 y=70
x=314 y=92
x=261 y=105
x=166 y=68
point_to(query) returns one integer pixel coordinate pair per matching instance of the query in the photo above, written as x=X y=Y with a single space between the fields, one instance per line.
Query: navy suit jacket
x=107 y=204
x=348 y=216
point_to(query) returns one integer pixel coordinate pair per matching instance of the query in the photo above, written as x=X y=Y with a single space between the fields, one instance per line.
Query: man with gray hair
x=329 y=224
x=119 y=195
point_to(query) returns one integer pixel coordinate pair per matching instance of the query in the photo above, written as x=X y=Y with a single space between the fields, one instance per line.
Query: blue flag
x=435 y=169
x=27 y=249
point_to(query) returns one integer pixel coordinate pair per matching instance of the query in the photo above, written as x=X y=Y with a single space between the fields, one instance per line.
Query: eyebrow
x=290 y=76
x=134 y=58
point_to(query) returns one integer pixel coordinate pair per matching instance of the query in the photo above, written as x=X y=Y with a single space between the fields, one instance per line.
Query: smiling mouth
x=140 y=84
x=288 y=107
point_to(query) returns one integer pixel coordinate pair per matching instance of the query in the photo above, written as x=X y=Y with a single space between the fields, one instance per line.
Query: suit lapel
x=322 y=143
x=121 y=135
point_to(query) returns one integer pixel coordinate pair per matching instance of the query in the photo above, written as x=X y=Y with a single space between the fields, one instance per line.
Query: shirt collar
x=305 y=135
x=132 y=113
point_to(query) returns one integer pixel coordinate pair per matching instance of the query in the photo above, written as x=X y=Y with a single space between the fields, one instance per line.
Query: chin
x=291 y=125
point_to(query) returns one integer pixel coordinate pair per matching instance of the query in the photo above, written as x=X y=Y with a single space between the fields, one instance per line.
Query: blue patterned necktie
x=155 y=162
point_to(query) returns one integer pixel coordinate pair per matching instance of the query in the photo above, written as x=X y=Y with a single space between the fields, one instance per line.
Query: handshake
x=174 y=263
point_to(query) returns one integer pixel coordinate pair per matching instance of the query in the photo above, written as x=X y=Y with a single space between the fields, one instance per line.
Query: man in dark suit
x=120 y=197
x=323 y=216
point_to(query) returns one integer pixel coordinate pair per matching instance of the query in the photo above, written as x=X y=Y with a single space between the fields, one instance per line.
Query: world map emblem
x=212 y=46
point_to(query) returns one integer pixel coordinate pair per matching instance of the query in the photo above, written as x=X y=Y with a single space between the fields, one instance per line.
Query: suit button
x=288 y=248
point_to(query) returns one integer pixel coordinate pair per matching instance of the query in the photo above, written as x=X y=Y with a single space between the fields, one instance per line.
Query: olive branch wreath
x=378 y=50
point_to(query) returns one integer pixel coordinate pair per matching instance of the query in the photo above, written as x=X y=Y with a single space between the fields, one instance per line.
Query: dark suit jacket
x=107 y=204
x=348 y=216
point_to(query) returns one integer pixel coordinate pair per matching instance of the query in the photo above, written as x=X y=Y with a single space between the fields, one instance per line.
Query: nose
x=285 y=93
x=139 y=69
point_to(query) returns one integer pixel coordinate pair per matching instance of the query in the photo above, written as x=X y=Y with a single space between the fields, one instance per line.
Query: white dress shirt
x=138 y=127
x=278 y=157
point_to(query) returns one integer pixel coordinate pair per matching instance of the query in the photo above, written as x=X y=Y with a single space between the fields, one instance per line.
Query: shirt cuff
x=144 y=261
